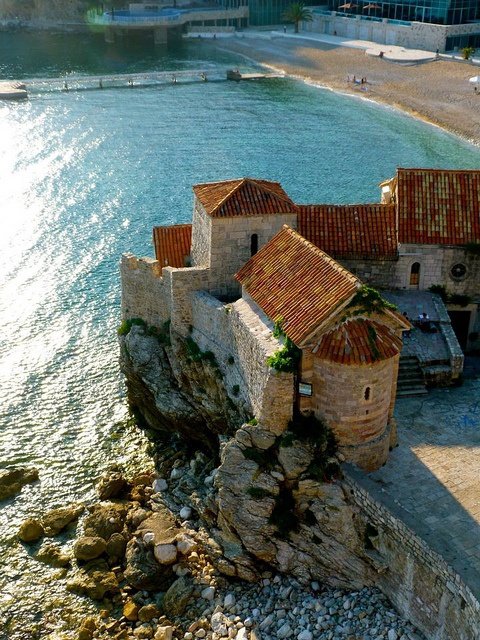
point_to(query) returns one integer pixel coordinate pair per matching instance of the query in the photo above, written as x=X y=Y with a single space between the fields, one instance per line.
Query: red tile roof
x=172 y=244
x=359 y=341
x=437 y=206
x=361 y=231
x=290 y=278
x=244 y=197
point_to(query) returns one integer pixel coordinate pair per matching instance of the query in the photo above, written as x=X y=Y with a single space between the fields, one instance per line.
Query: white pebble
x=185 y=513
x=165 y=553
x=159 y=484
x=208 y=593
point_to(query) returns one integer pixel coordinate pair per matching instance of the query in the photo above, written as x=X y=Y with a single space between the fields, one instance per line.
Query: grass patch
x=126 y=325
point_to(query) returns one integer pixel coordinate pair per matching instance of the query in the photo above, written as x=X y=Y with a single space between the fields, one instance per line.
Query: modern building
x=422 y=24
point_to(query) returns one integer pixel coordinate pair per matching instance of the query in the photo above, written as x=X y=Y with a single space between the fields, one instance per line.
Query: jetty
x=10 y=90
x=150 y=79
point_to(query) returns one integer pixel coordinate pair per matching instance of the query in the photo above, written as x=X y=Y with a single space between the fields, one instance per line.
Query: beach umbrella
x=475 y=80
x=348 y=5
x=371 y=6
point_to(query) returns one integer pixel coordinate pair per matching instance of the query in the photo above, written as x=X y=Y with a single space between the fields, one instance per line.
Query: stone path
x=434 y=474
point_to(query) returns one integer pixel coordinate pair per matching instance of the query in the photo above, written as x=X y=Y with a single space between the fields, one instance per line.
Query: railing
x=174 y=16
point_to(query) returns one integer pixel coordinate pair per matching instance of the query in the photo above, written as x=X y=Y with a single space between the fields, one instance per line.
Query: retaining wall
x=423 y=587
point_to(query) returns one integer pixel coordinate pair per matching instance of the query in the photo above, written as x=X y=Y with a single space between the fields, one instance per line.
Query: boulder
x=30 y=530
x=296 y=458
x=163 y=633
x=12 y=480
x=113 y=485
x=57 y=519
x=105 y=519
x=93 y=583
x=89 y=547
x=165 y=553
x=130 y=610
x=176 y=599
x=142 y=570
x=116 y=546
x=148 y=612
x=52 y=554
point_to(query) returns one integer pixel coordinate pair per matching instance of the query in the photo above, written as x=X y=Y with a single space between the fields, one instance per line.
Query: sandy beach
x=437 y=91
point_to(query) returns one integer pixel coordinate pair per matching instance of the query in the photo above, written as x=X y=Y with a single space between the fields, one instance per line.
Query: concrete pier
x=13 y=91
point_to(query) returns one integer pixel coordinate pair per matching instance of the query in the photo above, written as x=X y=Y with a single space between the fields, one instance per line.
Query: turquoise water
x=85 y=176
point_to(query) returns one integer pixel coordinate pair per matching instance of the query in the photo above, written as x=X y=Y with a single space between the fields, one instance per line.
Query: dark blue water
x=85 y=176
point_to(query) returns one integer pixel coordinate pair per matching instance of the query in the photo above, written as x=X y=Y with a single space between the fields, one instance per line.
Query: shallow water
x=84 y=178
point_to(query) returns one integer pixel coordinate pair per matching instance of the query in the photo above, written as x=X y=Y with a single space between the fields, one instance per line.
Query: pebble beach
x=437 y=91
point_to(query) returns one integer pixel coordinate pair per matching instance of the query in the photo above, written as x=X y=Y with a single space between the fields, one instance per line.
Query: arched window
x=366 y=393
x=253 y=244
x=415 y=274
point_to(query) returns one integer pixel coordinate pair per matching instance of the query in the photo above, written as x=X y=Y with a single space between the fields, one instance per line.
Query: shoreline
x=437 y=93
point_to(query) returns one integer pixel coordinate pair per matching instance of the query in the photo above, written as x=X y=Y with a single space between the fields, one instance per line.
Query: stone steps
x=410 y=378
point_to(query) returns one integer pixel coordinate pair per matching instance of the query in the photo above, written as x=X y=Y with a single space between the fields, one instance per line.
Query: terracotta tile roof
x=361 y=231
x=359 y=341
x=437 y=206
x=244 y=197
x=292 y=279
x=172 y=244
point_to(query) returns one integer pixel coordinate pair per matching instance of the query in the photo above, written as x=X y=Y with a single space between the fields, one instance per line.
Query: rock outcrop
x=12 y=480
x=176 y=392
x=274 y=499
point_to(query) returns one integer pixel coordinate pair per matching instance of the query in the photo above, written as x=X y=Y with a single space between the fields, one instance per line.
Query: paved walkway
x=434 y=474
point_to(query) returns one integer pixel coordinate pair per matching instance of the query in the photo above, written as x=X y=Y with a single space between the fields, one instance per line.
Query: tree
x=296 y=13
x=468 y=52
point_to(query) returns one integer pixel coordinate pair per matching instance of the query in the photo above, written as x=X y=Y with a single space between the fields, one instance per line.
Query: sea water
x=84 y=177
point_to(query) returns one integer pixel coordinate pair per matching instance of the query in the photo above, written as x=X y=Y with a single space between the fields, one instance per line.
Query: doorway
x=460 y=324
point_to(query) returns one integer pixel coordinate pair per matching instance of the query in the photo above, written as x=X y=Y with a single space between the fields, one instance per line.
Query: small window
x=253 y=244
x=366 y=394
x=304 y=389
x=415 y=274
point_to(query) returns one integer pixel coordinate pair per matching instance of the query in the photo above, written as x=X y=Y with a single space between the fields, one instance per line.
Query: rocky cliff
x=275 y=499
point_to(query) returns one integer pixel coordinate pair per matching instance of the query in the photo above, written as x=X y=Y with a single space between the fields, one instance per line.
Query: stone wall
x=231 y=247
x=180 y=285
x=240 y=337
x=143 y=290
x=360 y=415
x=379 y=273
x=422 y=586
x=417 y=35
x=201 y=236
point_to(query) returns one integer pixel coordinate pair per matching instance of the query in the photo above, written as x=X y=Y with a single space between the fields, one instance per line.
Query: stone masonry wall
x=231 y=247
x=201 y=236
x=417 y=580
x=240 y=337
x=143 y=290
x=180 y=285
x=379 y=273
x=359 y=423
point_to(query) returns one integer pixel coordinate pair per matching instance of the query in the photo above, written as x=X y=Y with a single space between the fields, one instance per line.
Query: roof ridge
x=285 y=198
x=229 y=194
x=436 y=170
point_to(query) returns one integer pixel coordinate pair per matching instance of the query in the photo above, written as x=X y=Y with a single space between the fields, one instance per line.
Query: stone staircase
x=410 y=378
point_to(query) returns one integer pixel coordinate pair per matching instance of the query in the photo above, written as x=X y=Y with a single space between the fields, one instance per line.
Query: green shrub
x=126 y=325
x=235 y=389
x=473 y=248
x=467 y=52
x=285 y=359
x=193 y=350
x=368 y=300
x=253 y=422
x=262 y=457
x=230 y=359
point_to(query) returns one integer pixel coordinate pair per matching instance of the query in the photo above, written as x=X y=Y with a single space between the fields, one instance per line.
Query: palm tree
x=296 y=13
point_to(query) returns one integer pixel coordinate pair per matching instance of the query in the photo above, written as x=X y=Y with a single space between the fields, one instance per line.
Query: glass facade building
x=434 y=11
x=262 y=12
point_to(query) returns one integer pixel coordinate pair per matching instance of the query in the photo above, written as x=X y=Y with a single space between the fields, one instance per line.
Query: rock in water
x=176 y=598
x=89 y=547
x=105 y=519
x=95 y=584
x=12 y=480
x=57 y=519
x=116 y=546
x=52 y=554
x=112 y=486
x=30 y=530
